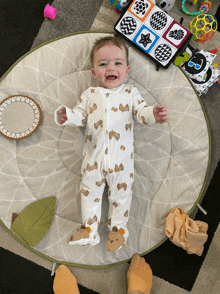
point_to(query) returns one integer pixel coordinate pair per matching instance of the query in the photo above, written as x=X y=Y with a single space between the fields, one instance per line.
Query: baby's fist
x=62 y=115
x=160 y=113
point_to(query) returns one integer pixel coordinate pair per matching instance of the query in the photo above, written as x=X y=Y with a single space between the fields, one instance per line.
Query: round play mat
x=171 y=159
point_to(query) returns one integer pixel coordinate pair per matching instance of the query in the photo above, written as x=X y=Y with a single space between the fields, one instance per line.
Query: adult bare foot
x=139 y=276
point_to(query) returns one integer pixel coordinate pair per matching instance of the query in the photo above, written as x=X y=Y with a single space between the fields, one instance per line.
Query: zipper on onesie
x=107 y=133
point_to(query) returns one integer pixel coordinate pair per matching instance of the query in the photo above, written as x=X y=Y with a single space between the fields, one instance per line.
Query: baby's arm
x=65 y=116
x=142 y=112
x=148 y=114
x=77 y=116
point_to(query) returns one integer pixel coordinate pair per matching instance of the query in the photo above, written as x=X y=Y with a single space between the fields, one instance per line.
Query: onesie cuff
x=147 y=115
x=71 y=118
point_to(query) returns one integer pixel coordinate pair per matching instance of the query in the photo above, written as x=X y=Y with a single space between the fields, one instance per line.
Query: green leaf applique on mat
x=35 y=220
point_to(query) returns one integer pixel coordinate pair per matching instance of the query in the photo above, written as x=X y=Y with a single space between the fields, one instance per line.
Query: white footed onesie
x=108 y=154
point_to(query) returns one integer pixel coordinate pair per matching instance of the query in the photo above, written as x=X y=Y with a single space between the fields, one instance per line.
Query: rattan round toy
x=203 y=27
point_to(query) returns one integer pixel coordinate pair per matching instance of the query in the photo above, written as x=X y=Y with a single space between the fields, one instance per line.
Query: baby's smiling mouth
x=111 y=77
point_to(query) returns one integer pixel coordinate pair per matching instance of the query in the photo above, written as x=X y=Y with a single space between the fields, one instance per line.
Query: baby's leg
x=91 y=189
x=120 y=195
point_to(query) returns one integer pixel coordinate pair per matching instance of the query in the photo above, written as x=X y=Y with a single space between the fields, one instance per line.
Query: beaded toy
x=194 y=2
x=206 y=5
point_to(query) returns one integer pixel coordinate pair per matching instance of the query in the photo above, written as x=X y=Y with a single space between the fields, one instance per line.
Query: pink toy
x=206 y=8
x=50 y=11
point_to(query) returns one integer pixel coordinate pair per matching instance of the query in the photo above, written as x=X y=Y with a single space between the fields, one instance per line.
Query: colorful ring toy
x=206 y=8
x=206 y=5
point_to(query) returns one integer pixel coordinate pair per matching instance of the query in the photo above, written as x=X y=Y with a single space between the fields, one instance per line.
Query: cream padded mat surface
x=171 y=159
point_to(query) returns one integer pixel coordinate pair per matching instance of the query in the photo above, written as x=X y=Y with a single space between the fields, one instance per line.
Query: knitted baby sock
x=65 y=282
x=139 y=275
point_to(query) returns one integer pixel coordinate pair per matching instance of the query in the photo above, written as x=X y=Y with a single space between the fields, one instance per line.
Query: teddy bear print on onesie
x=108 y=158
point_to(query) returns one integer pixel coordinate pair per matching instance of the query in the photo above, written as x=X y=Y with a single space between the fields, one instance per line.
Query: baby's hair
x=108 y=40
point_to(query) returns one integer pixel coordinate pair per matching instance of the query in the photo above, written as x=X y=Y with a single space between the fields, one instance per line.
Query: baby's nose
x=111 y=67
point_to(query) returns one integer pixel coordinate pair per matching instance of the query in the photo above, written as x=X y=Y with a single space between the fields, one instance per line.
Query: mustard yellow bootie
x=139 y=276
x=65 y=282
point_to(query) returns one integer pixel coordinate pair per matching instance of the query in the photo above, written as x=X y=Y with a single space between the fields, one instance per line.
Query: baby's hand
x=62 y=115
x=160 y=113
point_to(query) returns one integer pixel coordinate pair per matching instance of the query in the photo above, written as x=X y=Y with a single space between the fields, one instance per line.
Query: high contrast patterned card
x=153 y=31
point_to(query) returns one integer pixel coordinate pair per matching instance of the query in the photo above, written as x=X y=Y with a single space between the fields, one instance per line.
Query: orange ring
x=207 y=3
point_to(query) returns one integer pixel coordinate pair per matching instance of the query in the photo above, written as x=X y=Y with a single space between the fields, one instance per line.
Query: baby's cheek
x=99 y=77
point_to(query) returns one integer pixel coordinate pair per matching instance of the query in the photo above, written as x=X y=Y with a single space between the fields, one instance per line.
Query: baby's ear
x=127 y=70
x=93 y=72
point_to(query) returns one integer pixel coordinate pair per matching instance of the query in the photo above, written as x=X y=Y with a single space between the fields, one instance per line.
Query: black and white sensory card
x=153 y=31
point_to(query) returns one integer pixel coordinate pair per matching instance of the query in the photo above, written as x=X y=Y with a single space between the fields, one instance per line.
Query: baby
x=108 y=112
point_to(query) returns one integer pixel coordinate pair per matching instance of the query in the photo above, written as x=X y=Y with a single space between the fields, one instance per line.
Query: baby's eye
x=118 y=63
x=103 y=64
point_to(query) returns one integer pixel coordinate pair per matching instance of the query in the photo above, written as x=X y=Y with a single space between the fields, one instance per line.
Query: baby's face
x=110 y=66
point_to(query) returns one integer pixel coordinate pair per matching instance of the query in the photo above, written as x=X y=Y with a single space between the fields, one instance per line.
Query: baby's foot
x=115 y=239
x=81 y=234
x=84 y=236
x=139 y=275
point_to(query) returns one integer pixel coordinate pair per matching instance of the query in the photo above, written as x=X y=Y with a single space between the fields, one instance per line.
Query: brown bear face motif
x=84 y=192
x=123 y=108
x=114 y=134
x=91 y=167
x=122 y=186
x=100 y=182
x=128 y=127
x=98 y=124
x=119 y=168
x=122 y=147
x=92 y=109
x=88 y=138
x=115 y=241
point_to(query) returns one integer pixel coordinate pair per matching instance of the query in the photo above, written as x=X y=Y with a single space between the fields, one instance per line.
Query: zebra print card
x=153 y=31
